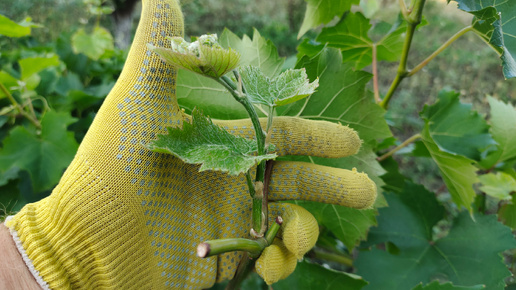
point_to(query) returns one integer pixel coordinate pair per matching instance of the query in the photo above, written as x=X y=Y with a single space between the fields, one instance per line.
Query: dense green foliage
x=453 y=234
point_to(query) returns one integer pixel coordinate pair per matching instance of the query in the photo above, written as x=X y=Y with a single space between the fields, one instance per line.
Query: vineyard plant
x=458 y=235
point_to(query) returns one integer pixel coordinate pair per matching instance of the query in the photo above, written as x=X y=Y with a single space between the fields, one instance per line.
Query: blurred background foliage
x=82 y=78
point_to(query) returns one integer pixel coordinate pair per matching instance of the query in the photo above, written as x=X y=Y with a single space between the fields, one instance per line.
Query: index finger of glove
x=306 y=181
x=297 y=136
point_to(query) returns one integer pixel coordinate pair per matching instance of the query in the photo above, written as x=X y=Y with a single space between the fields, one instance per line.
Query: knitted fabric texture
x=123 y=217
x=275 y=263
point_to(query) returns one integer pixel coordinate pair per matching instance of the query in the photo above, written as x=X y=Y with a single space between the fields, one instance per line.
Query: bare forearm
x=14 y=274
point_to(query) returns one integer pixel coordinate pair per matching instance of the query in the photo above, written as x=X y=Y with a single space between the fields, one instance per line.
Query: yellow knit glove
x=123 y=217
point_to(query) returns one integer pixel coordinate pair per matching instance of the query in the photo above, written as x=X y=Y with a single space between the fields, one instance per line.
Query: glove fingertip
x=300 y=231
x=275 y=263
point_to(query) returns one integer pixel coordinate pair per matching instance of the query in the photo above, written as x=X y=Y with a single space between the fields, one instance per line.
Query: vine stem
x=399 y=147
x=258 y=189
x=403 y=9
x=375 y=76
x=13 y=101
x=247 y=262
x=413 y=19
x=440 y=49
x=332 y=256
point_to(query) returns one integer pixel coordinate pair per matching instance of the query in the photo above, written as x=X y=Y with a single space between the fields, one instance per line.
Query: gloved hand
x=123 y=217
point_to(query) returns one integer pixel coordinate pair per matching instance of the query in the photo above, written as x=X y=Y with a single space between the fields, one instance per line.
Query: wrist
x=14 y=273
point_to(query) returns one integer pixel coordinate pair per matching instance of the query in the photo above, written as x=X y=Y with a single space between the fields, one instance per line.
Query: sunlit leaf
x=499 y=185
x=503 y=129
x=288 y=87
x=202 y=142
x=321 y=12
x=32 y=65
x=93 y=45
x=257 y=51
x=10 y=28
x=194 y=90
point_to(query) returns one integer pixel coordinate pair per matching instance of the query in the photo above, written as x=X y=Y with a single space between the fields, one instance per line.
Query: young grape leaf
x=341 y=97
x=493 y=22
x=348 y=224
x=214 y=100
x=455 y=128
x=470 y=251
x=204 y=56
x=44 y=156
x=313 y=276
x=503 y=129
x=435 y=285
x=288 y=87
x=457 y=171
x=10 y=28
x=499 y=185
x=350 y=35
x=202 y=142
x=321 y=12
x=258 y=51
x=93 y=45
x=33 y=65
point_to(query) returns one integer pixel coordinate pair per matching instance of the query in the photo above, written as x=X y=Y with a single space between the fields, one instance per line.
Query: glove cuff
x=88 y=239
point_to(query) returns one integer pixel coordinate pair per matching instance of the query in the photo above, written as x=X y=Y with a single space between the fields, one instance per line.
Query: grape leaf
x=341 y=97
x=208 y=61
x=468 y=255
x=214 y=100
x=503 y=129
x=457 y=172
x=10 y=28
x=507 y=215
x=313 y=276
x=497 y=27
x=43 y=156
x=93 y=45
x=350 y=35
x=455 y=128
x=258 y=51
x=203 y=142
x=33 y=65
x=288 y=87
x=348 y=224
x=499 y=185
x=8 y=81
x=321 y=12
x=435 y=285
